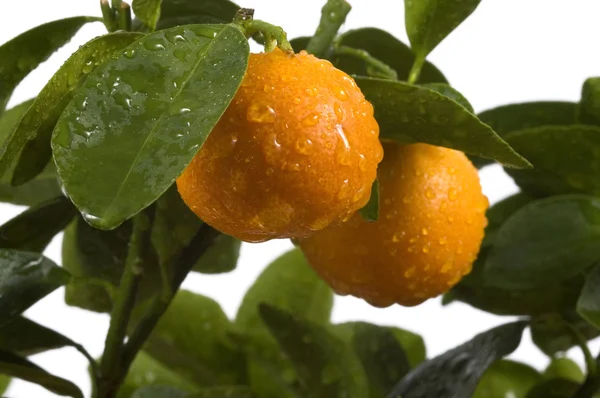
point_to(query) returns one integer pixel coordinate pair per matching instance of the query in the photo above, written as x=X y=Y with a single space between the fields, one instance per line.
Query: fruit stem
x=333 y=16
x=590 y=362
x=108 y=16
x=274 y=35
x=415 y=71
x=375 y=67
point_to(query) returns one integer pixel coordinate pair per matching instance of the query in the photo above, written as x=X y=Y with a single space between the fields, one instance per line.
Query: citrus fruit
x=296 y=151
x=430 y=228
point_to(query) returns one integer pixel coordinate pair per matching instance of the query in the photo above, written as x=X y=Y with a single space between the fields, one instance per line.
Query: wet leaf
x=148 y=11
x=429 y=117
x=546 y=242
x=20 y=368
x=452 y=93
x=564 y=368
x=184 y=12
x=144 y=128
x=11 y=118
x=325 y=365
x=457 y=372
x=589 y=106
x=25 y=278
x=507 y=379
x=384 y=47
x=33 y=229
x=428 y=22
x=370 y=211
x=565 y=159
x=221 y=257
x=555 y=388
x=588 y=305
x=25 y=52
x=27 y=150
x=159 y=392
x=553 y=333
x=26 y=337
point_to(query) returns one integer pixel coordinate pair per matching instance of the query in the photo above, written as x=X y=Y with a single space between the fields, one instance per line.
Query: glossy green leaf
x=500 y=212
x=384 y=47
x=553 y=333
x=457 y=372
x=507 y=379
x=146 y=371
x=290 y=284
x=589 y=106
x=159 y=392
x=545 y=242
x=450 y=92
x=555 y=388
x=566 y=159
x=221 y=257
x=564 y=368
x=33 y=229
x=4 y=383
x=588 y=305
x=25 y=278
x=184 y=12
x=11 y=118
x=409 y=114
x=325 y=365
x=370 y=211
x=20 y=368
x=25 y=52
x=144 y=128
x=428 y=22
x=148 y=11
x=27 y=150
x=26 y=337
x=200 y=350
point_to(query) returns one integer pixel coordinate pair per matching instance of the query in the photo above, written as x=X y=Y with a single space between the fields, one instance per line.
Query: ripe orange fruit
x=297 y=150
x=432 y=217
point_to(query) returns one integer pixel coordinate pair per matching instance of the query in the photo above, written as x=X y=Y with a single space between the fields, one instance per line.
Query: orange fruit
x=296 y=151
x=430 y=228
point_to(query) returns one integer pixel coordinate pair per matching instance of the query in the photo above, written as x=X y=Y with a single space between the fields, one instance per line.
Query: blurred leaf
x=11 y=118
x=588 y=305
x=564 y=368
x=185 y=12
x=138 y=125
x=146 y=371
x=25 y=52
x=27 y=151
x=428 y=22
x=221 y=257
x=452 y=93
x=507 y=379
x=429 y=117
x=500 y=212
x=555 y=388
x=25 y=278
x=552 y=333
x=159 y=392
x=148 y=11
x=33 y=229
x=508 y=118
x=17 y=367
x=300 y=43
x=370 y=211
x=4 y=383
x=565 y=159
x=224 y=392
x=589 y=106
x=324 y=364
x=200 y=350
x=26 y=337
x=412 y=344
x=545 y=242
x=457 y=372
x=384 y=47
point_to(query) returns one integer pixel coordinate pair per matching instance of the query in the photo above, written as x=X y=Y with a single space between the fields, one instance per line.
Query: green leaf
x=25 y=278
x=452 y=93
x=4 y=383
x=17 y=367
x=33 y=229
x=25 y=52
x=221 y=257
x=200 y=350
x=185 y=12
x=588 y=305
x=589 y=106
x=148 y=11
x=545 y=242
x=325 y=365
x=299 y=43
x=146 y=371
x=555 y=388
x=564 y=159
x=382 y=357
x=157 y=120
x=507 y=379
x=500 y=212
x=370 y=211
x=26 y=337
x=508 y=118
x=11 y=118
x=159 y=392
x=224 y=392
x=290 y=284
x=428 y=22
x=384 y=47
x=457 y=372
x=27 y=150
x=553 y=332
x=564 y=368
x=410 y=114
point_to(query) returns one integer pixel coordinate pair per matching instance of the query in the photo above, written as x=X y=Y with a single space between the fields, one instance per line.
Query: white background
x=507 y=51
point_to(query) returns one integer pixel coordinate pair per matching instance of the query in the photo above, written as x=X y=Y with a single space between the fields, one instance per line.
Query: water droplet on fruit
x=343 y=150
x=304 y=146
x=319 y=224
x=270 y=171
x=442 y=241
x=425 y=249
x=452 y=194
x=260 y=113
x=312 y=91
x=430 y=194
x=395 y=238
x=341 y=94
x=343 y=192
x=410 y=272
x=340 y=114
x=311 y=120
x=424 y=231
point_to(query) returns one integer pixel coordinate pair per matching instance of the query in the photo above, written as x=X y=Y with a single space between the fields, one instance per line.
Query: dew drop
x=270 y=171
x=395 y=238
x=184 y=110
x=442 y=241
x=297 y=100
x=430 y=194
x=319 y=224
x=304 y=146
x=311 y=120
x=424 y=231
x=343 y=151
x=260 y=113
x=340 y=114
x=129 y=53
x=452 y=194
x=343 y=192
x=312 y=91
x=425 y=249
x=341 y=94
x=362 y=163
x=154 y=44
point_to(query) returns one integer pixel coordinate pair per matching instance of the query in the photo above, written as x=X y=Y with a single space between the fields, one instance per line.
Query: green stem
x=415 y=71
x=378 y=68
x=124 y=16
x=333 y=16
x=108 y=16
x=590 y=362
x=274 y=35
